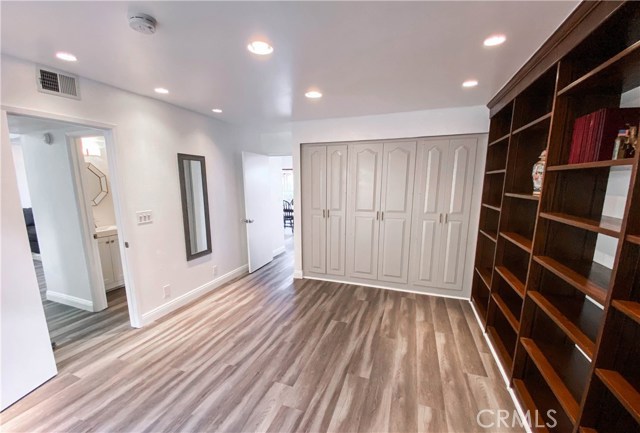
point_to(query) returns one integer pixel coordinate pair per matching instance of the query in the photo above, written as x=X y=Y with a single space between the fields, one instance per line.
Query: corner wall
x=148 y=135
x=427 y=123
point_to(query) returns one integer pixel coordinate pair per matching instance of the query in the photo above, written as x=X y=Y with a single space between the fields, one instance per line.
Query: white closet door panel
x=452 y=249
x=396 y=205
x=428 y=218
x=363 y=204
x=459 y=184
x=314 y=199
x=337 y=208
x=106 y=263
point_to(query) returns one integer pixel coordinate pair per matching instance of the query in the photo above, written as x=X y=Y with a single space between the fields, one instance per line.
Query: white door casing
x=255 y=171
x=363 y=204
x=398 y=168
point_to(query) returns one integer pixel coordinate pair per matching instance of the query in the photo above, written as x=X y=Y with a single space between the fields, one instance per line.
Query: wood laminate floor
x=267 y=353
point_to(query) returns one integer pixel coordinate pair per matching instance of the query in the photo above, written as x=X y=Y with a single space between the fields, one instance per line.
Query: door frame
x=109 y=131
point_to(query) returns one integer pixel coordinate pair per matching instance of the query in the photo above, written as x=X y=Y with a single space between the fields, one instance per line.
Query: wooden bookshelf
x=565 y=327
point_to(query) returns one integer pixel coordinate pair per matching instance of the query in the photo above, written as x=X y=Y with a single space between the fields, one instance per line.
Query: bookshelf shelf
x=501 y=171
x=554 y=381
x=492 y=236
x=503 y=138
x=630 y=308
x=518 y=240
x=575 y=279
x=529 y=405
x=634 y=239
x=522 y=196
x=511 y=280
x=539 y=123
x=492 y=207
x=505 y=357
x=590 y=165
x=628 y=396
x=623 y=66
x=607 y=225
x=573 y=332
x=485 y=276
x=502 y=305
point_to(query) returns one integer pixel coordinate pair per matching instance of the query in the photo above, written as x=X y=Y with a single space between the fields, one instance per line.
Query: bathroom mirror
x=96 y=184
x=195 y=205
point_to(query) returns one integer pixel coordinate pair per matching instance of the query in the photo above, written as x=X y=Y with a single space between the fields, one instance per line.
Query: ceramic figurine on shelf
x=620 y=144
x=538 y=173
x=632 y=143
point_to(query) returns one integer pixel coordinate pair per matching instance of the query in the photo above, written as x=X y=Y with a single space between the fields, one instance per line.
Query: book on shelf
x=594 y=134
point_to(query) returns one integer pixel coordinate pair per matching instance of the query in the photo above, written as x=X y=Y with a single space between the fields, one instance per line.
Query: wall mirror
x=96 y=184
x=195 y=205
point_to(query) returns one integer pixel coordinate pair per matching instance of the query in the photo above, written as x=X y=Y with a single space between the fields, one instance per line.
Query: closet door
x=116 y=261
x=336 y=208
x=104 y=251
x=363 y=204
x=398 y=169
x=459 y=184
x=428 y=219
x=314 y=200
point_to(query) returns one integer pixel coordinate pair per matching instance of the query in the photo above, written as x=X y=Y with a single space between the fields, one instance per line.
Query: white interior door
x=255 y=171
x=428 y=218
x=314 y=212
x=398 y=168
x=365 y=172
x=459 y=183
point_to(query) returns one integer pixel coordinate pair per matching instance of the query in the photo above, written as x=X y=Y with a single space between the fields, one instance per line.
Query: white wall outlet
x=215 y=270
x=166 y=291
x=144 y=217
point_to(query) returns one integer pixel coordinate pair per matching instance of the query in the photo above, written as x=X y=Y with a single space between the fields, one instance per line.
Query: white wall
x=21 y=174
x=616 y=195
x=450 y=121
x=148 y=135
x=26 y=358
x=275 y=183
x=50 y=175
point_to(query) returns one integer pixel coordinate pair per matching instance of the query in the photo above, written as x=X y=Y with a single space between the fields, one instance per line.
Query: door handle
x=377 y=215
x=248 y=221
x=440 y=218
x=382 y=216
x=446 y=218
x=324 y=213
x=327 y=213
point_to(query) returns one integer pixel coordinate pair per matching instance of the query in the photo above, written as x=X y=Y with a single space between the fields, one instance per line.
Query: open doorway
x=62 y=171
x=288 y=220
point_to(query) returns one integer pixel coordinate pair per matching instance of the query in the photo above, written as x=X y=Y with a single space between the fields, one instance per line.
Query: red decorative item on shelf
x=594 y=134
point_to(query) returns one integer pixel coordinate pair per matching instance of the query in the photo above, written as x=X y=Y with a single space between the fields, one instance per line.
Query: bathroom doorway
x=63 y=176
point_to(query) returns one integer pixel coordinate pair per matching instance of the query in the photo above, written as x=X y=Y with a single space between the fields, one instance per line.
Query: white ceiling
x=366 y=57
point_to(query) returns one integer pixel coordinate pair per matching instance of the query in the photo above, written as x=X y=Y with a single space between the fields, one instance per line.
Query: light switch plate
x=144 y=217
x=166 y=291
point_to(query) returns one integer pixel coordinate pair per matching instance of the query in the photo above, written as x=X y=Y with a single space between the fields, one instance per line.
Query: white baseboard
x=72 y=301
x=503 y=373
x=194 y=294
x=298 y=275
x=279 y=251
x=377 y=286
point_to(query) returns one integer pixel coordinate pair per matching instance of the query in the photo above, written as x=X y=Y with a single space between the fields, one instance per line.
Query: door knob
x=248 y=221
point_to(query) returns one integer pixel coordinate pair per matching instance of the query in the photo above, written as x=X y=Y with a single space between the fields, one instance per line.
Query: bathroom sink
x=106 y=231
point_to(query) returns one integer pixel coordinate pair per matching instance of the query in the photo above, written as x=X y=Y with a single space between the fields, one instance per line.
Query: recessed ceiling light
x=161 y=90
x=216 y=110
x=313 y=94
x=67 y=57
x=494 y=40
x=470 y=83
x=260 y=48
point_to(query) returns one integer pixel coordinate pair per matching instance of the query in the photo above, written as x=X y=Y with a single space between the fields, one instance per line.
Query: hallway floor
x=267 y=353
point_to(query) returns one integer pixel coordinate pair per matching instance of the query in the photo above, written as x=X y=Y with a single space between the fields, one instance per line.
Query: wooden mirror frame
x=182 y=157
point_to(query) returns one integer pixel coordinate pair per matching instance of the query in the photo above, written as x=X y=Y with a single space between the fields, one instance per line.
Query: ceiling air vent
x=57 y=83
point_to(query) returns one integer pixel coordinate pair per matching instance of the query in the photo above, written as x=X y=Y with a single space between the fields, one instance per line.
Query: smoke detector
x=143 y=23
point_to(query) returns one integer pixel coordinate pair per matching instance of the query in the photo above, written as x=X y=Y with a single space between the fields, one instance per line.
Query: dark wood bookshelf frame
x=565 y=328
